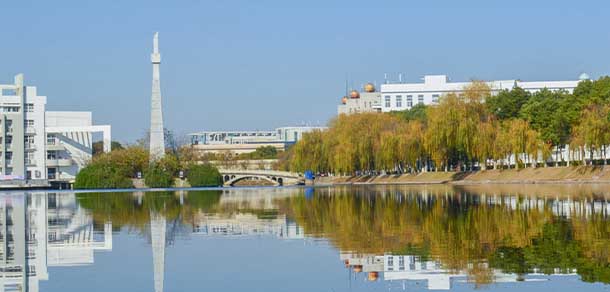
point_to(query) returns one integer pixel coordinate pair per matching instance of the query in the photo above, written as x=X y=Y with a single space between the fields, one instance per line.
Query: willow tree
x=474 y=115
x=523 y=140
x=592 y=133
x=309 y=154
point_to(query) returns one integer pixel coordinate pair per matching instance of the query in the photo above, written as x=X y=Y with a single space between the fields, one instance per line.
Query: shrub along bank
x=117 y=169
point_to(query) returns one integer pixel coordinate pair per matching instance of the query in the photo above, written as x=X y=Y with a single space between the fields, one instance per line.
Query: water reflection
x=435 y=237
x=41 y=230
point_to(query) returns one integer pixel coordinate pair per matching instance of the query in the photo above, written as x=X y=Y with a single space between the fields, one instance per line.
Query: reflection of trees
x=462 y=230
x=465 y=231
x=133 y=210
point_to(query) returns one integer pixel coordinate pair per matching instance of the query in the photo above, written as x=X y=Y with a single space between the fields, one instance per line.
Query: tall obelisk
x=157 y=139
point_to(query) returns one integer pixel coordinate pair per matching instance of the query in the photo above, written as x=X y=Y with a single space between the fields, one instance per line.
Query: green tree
x=102 y=176
x=98 y=147
x=205 y=175
x=416 y=113
x=507 y=104
x=157 y=176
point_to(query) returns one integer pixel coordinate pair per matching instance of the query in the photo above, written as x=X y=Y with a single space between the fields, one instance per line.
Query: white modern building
x=238 y=142
x=404 y=96
x=38 y=146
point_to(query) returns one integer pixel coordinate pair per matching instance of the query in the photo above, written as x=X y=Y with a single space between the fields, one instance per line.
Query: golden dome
x=373 y=276
x=358 y=268
x=369 y=87
x=354 y=94
x=344 y=100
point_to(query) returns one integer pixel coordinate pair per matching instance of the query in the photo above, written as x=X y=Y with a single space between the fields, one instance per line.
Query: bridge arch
x=234 y=179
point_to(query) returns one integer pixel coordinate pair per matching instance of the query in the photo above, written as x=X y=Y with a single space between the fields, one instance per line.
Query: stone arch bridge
x=277 y=178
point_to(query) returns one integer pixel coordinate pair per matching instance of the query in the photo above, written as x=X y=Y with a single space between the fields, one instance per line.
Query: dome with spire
x=354 y=94
x=584 y=76
x=344 y=100
x=369 y=87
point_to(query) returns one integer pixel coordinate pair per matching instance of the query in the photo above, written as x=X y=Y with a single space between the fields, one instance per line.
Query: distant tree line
x=467 y=131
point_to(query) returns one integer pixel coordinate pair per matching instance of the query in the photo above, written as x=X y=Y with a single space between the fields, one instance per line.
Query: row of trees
x=470 y=130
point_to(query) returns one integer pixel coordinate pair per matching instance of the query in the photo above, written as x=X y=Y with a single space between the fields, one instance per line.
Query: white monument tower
x=157 y=139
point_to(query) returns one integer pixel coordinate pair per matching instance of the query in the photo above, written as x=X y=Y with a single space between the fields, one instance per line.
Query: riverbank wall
x=548 y=175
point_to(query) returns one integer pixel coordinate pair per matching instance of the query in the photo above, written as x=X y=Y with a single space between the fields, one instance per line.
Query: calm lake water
x=361 y=238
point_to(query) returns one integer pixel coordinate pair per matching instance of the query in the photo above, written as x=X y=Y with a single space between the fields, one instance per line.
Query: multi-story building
x=238 y=142
x=38 y=145
x=403 y=96
x=21 y=132
x=366 y=100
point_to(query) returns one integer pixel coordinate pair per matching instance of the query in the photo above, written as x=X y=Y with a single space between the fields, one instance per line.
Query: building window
x=28 y=139
x=435 y=98
x=29 y=123
x=50 y=140
x=11 y=109
x=409 y=101
x=29 y=159
x=399 y=101
x=387 y=101
x=29 y=107
x=420 y=99
x=51 y=155
x=8 y=127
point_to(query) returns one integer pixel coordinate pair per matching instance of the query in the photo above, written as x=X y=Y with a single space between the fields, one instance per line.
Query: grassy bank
x=579 y=174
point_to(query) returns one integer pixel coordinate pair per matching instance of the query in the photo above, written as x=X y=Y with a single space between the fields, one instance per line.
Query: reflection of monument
x=41 y=230
x=157 y=235
x=157 y=140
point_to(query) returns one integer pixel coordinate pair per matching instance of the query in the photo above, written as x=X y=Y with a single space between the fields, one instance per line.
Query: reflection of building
x=414 y=268
x=41 y=230
x=260 y=199
x=261 y=219
x=247 y=225
x=38 y=145
x=247 y=141
x=565 y=207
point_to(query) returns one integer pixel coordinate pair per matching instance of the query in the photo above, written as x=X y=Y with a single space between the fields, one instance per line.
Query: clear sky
x=264 y=64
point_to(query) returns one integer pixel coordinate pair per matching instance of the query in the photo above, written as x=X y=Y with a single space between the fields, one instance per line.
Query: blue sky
x=264 y=64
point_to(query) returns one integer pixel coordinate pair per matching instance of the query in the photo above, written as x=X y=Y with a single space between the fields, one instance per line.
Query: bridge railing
x=260 y=172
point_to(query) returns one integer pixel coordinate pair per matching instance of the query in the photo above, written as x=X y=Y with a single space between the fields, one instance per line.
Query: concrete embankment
x=550 y=175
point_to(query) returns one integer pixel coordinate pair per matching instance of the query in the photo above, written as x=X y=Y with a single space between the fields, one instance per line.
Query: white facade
x=403 y=96
x=38 y=145
x=69 y=142
x=21 y=132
